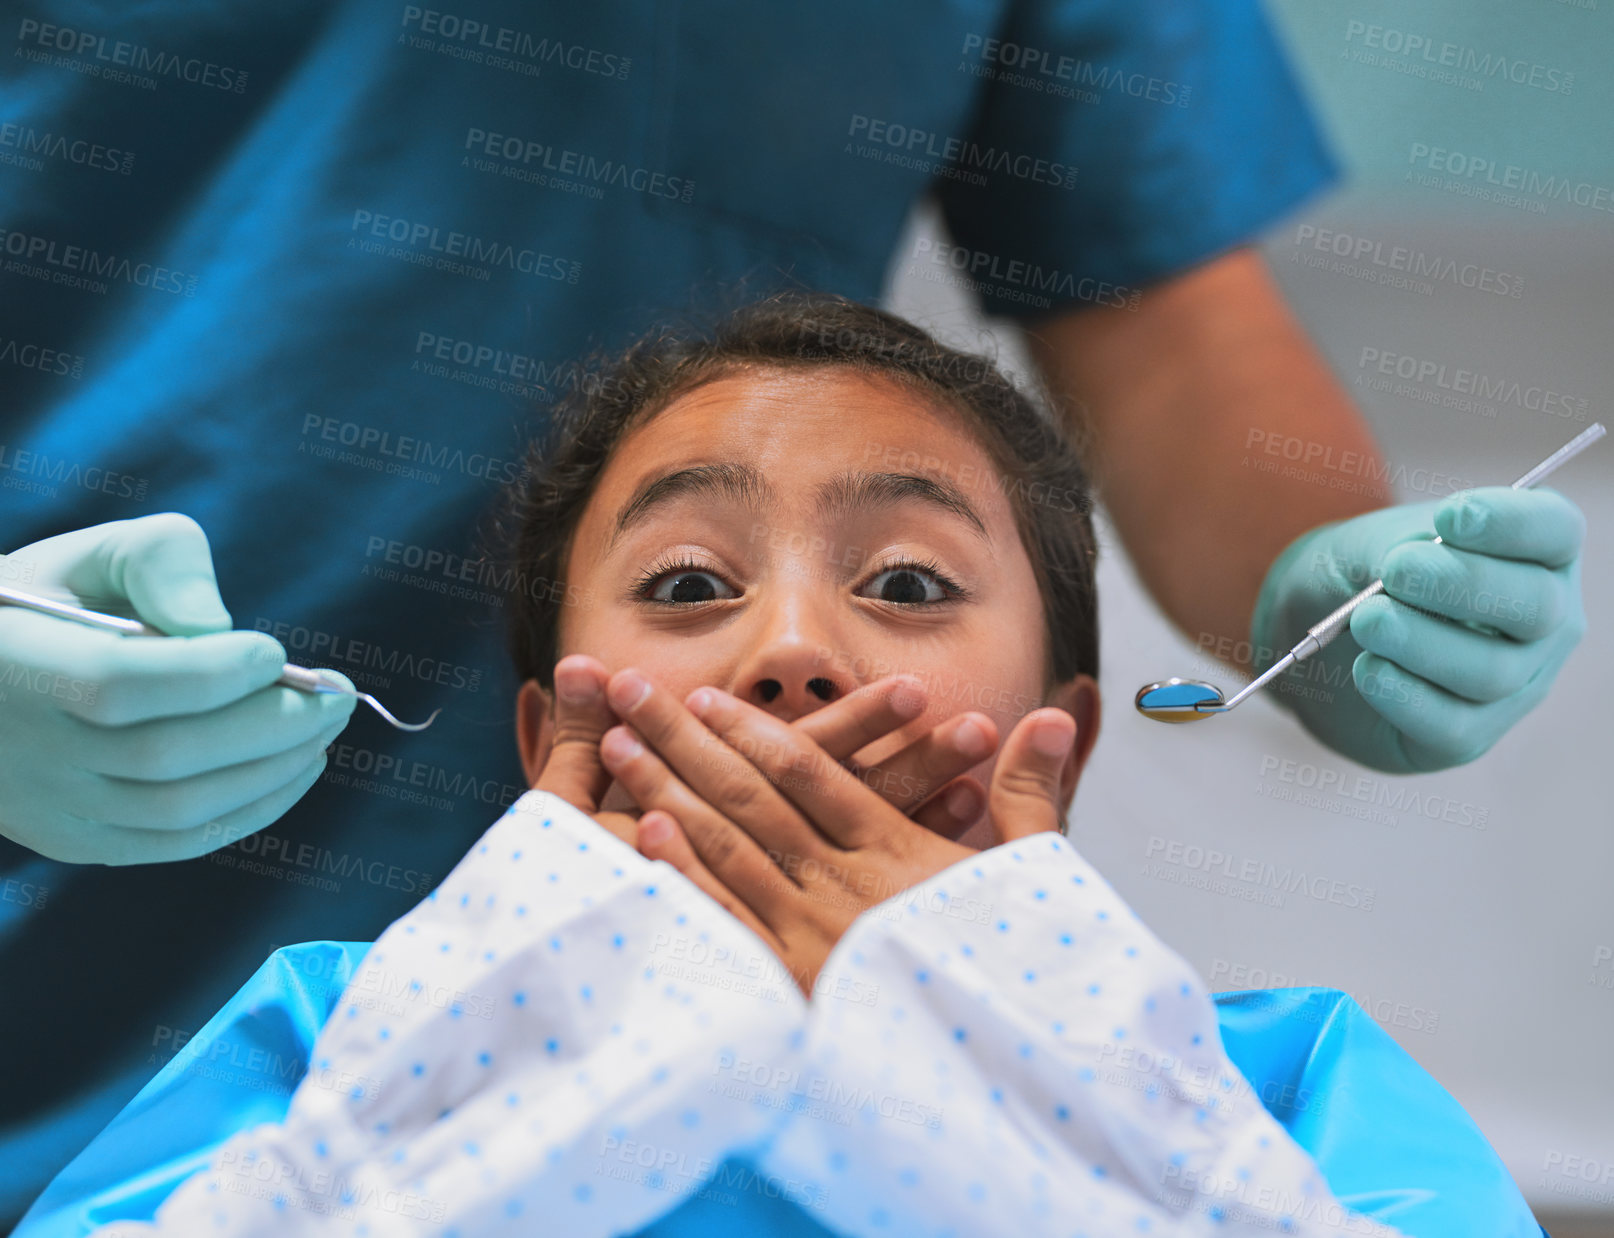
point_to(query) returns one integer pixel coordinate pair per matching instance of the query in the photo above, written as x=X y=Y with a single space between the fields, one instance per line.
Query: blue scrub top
x=313 y=272
x=1391 y=1142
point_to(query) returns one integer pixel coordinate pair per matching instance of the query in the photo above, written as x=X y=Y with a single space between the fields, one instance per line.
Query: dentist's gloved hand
x=1465 y=640
x=136 y=749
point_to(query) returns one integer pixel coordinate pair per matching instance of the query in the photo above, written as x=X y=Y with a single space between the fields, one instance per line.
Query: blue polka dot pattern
x=1025 y=1055
x=498 y=1046
x=567 y=1038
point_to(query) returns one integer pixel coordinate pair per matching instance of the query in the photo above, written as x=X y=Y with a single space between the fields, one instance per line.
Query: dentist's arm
x=1182 y=397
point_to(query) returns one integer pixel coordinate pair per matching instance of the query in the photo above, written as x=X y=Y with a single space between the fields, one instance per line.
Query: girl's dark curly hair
x=1040 y=471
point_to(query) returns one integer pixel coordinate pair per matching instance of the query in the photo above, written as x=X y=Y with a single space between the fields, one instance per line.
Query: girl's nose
x=793 y=636
x=818 y=690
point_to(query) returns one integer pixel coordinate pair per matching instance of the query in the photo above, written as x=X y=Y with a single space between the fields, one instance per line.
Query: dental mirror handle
x=1321 y=633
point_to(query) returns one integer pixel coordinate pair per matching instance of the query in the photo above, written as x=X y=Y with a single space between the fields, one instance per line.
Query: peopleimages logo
x=478 y=252
x=27 y=141
x=1019 y=64
x=1534 y=398
x=1459 y=58
x=132 y=56
x=1018 y=279
x=1413 y=263
x=1464 y=168
x=1378 y=791
x=1255 y=876
x=918 y=146
x=21 y=466
x=81 y=266
x=527 y=159
x=477 y=41
x=387 y=448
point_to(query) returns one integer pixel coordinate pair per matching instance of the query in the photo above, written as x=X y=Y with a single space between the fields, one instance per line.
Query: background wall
x=1486 y=952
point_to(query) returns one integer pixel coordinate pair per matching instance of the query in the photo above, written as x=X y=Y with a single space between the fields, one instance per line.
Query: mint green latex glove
x=137 y=749
x=1465 y=640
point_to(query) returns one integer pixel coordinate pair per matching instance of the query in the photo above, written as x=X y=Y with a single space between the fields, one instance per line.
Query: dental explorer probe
x=303 y=678
x=1188 y=700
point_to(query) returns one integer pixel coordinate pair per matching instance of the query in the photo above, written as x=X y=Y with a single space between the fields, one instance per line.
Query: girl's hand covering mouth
x=771 y=821
x=924 y=779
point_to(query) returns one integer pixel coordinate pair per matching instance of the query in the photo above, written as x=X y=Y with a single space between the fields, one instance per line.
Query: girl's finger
x=662 y=838
x=953 y=809
x=1024 y=796
x=582 y=715
x=735 y=859
x=846 y=813
x=913 y=775
x=855 y=721
x=730 y=783
x=623 y=824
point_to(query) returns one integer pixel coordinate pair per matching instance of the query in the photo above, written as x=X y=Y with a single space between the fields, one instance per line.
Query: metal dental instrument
x=1189 y=700
x=302 y=678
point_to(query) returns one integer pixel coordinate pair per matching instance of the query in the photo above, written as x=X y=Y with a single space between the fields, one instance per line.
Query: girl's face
x=790 y=535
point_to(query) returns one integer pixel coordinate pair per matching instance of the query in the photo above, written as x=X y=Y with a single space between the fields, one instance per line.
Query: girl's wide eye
x=688 y=585
x=920 y=583
x=908 y=585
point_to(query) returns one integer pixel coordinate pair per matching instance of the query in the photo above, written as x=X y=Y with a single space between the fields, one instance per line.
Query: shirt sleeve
x=532 y=1045
x=1120 y=143
x=1068 y=1063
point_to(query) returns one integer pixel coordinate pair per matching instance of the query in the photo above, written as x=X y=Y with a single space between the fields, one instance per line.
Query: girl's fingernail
x=961 y=802
x=654 y=830
x=1052 y=739
x=577 y=685
x=620 y=745
x=628 y=690
x=971 y=740
x=908 y=699
x=712 y=706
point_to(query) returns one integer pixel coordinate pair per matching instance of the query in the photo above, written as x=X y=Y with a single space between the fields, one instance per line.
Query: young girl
x=873 y=989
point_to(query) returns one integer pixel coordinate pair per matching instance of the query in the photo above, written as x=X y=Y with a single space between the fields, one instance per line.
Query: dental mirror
x=1179 y=700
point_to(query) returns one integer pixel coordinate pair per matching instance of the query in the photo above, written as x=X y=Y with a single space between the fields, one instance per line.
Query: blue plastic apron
x=1391 y=1141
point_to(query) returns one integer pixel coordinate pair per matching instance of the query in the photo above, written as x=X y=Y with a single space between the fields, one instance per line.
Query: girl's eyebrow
x=853 y=492
x=745 y=486
x=723 y=482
